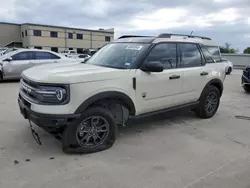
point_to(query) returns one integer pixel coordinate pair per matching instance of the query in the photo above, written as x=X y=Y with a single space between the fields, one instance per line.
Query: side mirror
x=8 y=59
x=153 y=66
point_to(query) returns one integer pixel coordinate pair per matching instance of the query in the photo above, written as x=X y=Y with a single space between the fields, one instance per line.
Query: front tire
x=94 y=131
x=246 y=88
x=209 y=102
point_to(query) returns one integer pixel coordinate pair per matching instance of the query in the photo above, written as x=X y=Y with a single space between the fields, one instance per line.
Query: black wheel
x=94 y=131
x=229 y=70
x=246 y=88
x=209 y=102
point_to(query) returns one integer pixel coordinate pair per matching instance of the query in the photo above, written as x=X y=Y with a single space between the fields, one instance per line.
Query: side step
x=180 y=107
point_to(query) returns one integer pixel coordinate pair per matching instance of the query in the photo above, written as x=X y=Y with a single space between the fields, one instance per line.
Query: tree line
x=227 y=49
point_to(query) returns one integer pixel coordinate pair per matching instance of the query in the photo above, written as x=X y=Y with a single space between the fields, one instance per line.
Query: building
x=55 y=38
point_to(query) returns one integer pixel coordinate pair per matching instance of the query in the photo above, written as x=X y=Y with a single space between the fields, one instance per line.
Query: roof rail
x=130 y=36
x=168 y=35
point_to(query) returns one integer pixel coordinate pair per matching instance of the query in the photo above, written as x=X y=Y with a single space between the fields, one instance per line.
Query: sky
x=222 y=20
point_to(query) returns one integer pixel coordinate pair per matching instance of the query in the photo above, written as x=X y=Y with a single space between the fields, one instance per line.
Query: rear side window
x=215 y=52
x=23 y=56
x=164 y=53
x=190 y=55
x=45 y=55
x=208 y=56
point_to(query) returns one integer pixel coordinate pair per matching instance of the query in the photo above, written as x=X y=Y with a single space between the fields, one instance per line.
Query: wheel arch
x=116 y=95
x=217 y=83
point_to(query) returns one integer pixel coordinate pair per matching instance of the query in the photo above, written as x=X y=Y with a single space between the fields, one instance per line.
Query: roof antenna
x=191 y=33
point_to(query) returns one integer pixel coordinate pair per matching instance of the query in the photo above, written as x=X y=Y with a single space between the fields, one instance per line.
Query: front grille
x=29 y=89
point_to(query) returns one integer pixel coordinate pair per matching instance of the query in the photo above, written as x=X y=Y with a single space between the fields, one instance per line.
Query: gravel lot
x=167 y=151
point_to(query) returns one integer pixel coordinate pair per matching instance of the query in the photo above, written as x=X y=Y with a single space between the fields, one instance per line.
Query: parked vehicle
x=215 y=52
x=69 y=53
x=229 y=66
x=13 y=63
x=83 y=57
x=131 y=77
x=90 y=52
x=245 y=79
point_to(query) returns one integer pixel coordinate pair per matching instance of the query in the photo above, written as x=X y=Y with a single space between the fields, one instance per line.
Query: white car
x=13 y=63
x=69 y=53
x=229 y=66
x=131 y=77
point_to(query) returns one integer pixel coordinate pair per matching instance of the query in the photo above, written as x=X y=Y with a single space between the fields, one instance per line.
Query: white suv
x=131 y=77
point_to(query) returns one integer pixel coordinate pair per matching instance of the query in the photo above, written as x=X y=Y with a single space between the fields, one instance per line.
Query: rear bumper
x=48 y=122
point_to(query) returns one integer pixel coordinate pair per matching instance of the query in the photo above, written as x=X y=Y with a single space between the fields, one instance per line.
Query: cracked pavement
x=170 y=150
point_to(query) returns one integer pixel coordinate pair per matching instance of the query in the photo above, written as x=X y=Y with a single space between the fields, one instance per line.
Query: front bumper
x=49 y=122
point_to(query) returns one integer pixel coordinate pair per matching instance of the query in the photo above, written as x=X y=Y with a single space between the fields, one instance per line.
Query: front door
x=155 y=91
x=20 y=62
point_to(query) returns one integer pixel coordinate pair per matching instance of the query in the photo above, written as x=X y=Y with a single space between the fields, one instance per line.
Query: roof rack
x=130 y=36
x=168 y=35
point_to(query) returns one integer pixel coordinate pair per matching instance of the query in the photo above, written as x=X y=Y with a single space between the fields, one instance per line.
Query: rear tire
x=246 y=88
x=209 y=102
x=94 y=131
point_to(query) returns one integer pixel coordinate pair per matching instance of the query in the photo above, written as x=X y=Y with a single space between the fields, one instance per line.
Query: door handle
x=174 y=77
x=204 y=73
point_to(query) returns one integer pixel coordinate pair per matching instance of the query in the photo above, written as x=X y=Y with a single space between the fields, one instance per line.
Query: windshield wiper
x=109 y=66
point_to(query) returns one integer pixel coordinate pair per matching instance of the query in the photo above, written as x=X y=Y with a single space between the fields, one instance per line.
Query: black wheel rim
x=211 y=102
x=92 y=131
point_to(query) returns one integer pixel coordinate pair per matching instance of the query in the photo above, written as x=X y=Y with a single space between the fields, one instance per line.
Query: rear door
x=45 y=58
x=20 y=62
x=195 y=73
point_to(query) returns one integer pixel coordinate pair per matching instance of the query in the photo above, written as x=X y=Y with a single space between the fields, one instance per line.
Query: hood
x=70 y=73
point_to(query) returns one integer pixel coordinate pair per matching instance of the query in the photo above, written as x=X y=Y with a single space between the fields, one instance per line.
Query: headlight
x=45 y=94
x=52 y=95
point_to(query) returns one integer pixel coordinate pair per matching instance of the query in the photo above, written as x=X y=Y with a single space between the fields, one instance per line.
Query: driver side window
x=164 y=53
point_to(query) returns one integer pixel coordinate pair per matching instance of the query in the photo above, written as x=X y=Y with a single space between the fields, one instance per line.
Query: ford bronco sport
x=133 y=76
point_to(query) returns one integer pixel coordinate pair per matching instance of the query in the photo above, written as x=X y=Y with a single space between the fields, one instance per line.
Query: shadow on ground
x=51 y=146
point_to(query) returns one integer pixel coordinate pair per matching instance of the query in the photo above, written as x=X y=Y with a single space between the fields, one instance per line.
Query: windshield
x=118 y=55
